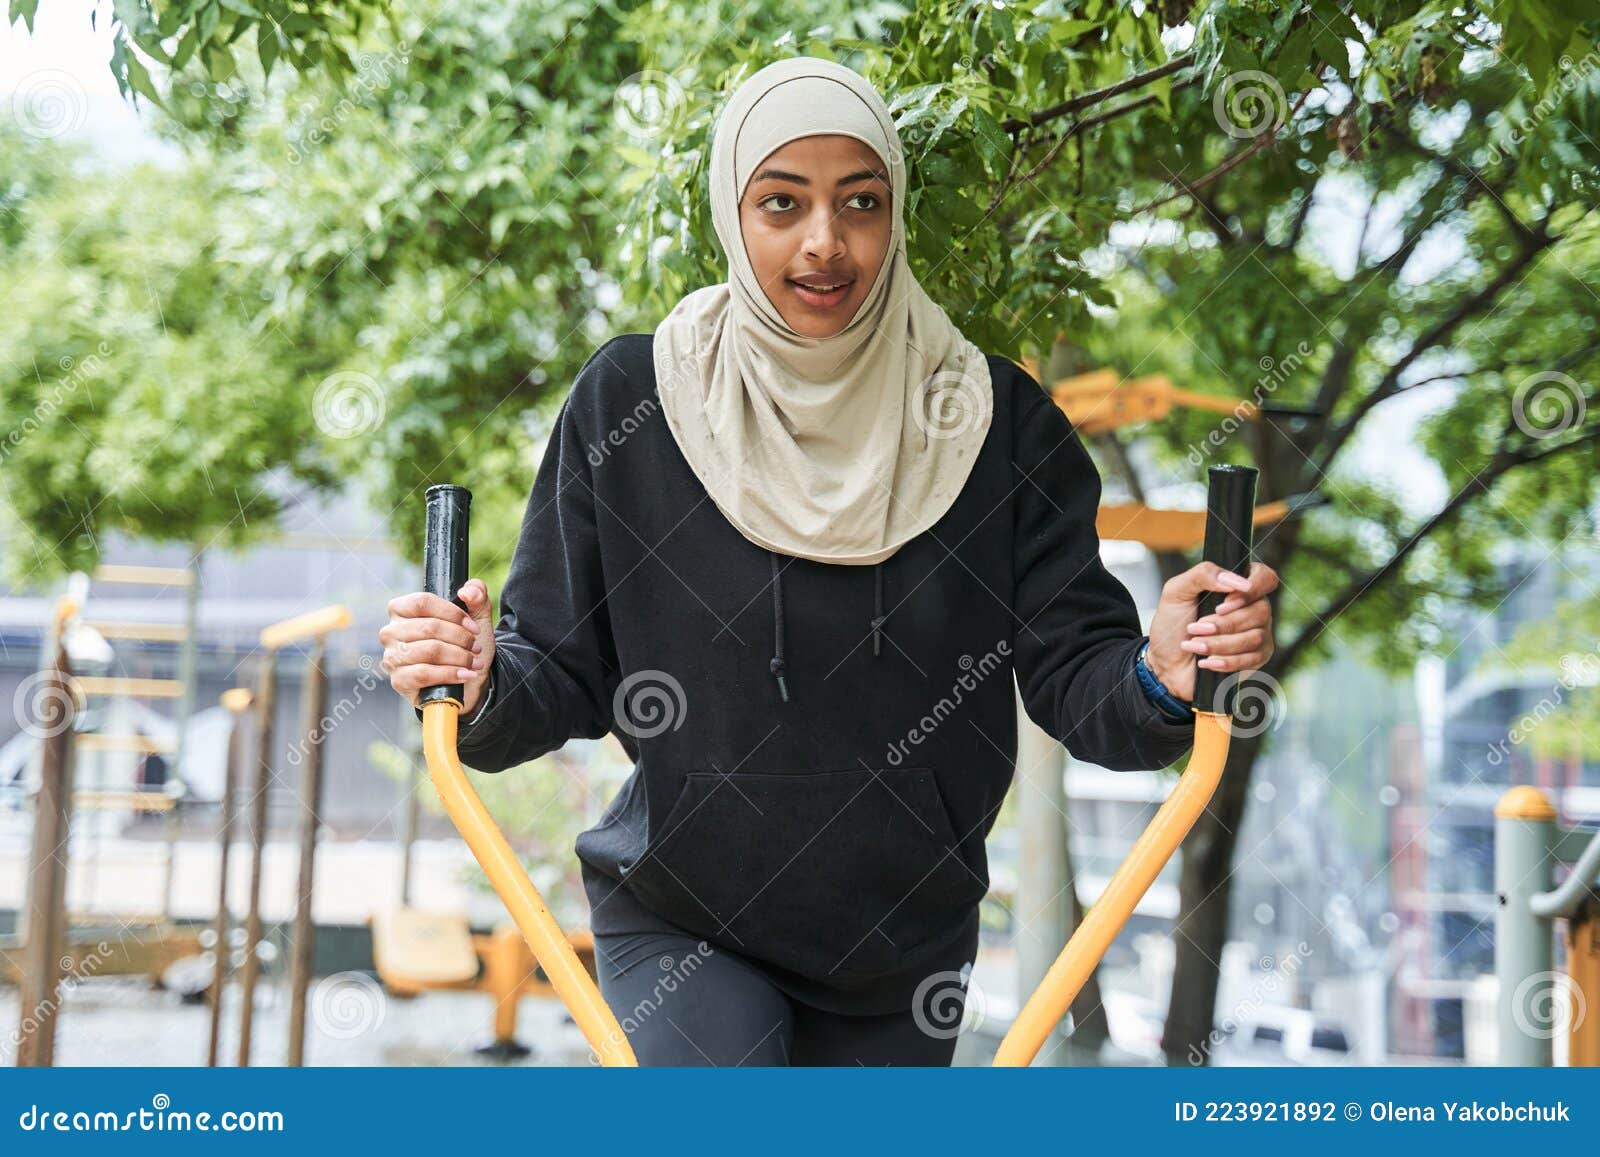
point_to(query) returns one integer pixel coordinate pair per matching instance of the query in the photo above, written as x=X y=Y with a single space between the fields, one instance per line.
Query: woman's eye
x=872 y=197
x=766 y=201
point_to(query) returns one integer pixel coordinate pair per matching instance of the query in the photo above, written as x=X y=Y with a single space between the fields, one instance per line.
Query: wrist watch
x=1169 y=704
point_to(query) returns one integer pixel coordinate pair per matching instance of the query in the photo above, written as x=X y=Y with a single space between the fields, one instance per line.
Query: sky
x=65 y=64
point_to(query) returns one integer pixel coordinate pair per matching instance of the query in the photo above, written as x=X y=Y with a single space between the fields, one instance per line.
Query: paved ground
x=350 y=1022
x=124 y=1022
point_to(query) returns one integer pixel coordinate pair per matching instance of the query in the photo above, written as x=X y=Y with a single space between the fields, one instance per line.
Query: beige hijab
x=836 y=449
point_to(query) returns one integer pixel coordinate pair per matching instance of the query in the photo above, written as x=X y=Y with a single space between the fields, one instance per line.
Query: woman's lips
x=821 y=300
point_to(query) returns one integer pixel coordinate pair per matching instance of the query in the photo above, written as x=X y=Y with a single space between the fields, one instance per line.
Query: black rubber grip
x=444 y=561
x=1230 y=531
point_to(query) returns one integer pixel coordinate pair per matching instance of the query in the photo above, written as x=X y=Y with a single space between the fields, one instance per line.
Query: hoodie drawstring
x=777 y=665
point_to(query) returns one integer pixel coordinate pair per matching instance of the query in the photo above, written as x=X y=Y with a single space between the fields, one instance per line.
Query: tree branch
x=1389 y=385
x=1561 y=365
x=1187 y=188
x=1503 y=463
x=1077 y=129
x=1099 y=95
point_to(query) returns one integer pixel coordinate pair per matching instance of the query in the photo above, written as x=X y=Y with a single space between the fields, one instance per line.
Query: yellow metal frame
x=307 y=626
x=550 y=945
x=1175 y=530
x=1028 y=1032
x=1111 y=910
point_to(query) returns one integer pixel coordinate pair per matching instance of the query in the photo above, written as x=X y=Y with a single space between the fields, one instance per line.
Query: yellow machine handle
x=1106 y=916
x=550 y=945
x=1230 y=510
x=444 y=570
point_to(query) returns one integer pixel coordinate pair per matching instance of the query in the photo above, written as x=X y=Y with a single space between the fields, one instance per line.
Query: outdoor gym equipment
x=416 y=952
x=56 y=944
x=1528 y=843
x=315 y=626
x=1228 y=537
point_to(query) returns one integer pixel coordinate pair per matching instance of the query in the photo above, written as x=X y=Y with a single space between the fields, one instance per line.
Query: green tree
x=1564 y=723
x=139 y=389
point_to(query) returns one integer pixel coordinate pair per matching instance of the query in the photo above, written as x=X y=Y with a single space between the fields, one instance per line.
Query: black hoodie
x=820 y=749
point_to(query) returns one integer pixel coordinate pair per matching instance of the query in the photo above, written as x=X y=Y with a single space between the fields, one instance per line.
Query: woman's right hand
x=429 y=641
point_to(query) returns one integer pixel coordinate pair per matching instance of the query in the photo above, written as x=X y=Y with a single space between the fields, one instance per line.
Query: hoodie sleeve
x=554 y=668
x=1077 y=629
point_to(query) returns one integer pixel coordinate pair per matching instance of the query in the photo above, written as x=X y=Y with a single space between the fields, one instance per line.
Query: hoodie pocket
x=835 y=875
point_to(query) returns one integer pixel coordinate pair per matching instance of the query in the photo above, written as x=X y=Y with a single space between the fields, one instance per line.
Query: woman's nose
x=824 y=240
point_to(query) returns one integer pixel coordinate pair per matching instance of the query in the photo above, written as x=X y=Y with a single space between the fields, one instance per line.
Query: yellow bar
x=1583 y=966
x=144 y=743
x=549 y=944
x=142 y=632
x=143 y=688
x=1177 y=530
x=334 y=618
x=156 y=576
x=139 y=801
x=236 y=699
x=1111 y=910
x=1240 y=408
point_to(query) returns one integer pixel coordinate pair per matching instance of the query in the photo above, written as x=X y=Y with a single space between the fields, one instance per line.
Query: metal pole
x=305 y=933
x=236 y=701
x=180 y=754
x=265 y=702
x=46 y=915
x=1524 y=834
x=413 y=804
x=1043 y=919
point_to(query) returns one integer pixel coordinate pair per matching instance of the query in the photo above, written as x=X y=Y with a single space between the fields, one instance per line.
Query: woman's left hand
x=1236 y=637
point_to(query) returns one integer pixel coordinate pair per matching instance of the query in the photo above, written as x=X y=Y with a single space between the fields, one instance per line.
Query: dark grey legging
x=683 y=1001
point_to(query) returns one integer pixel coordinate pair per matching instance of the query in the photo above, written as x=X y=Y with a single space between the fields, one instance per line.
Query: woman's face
x=818 y=211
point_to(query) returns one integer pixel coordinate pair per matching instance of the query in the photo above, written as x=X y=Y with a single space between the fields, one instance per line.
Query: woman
x=792 y=548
